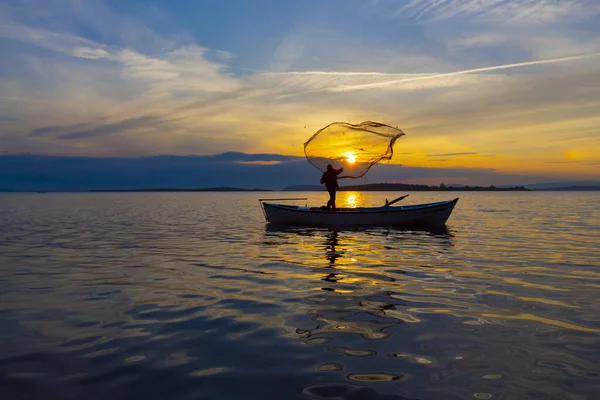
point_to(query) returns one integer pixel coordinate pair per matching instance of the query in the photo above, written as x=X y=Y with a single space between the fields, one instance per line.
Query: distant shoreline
x=373 y=187
x=402 y=187
x=218 y=189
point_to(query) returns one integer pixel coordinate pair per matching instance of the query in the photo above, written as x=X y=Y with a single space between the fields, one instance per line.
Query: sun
x=350 y=157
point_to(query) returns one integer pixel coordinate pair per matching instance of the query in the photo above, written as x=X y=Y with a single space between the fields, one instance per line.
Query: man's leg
x=331 y=201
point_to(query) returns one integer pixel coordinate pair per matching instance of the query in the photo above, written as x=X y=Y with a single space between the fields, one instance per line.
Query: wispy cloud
x=463 y=72
x=112 y=128
x=9 y=119
x=53 y=130
x=474 y=40
x=303 y=82
x=540 y=11
x=451 y=154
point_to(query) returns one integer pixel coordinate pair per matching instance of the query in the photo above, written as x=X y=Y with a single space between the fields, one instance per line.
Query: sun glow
x=350 y=157
x=353 y=199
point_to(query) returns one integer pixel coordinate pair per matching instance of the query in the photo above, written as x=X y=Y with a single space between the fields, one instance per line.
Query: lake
x=194 y=296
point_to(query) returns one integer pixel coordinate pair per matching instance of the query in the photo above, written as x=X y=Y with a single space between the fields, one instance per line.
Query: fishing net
x=356 y=148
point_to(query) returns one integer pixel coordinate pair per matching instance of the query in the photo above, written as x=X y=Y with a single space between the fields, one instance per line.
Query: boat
x=429 y=214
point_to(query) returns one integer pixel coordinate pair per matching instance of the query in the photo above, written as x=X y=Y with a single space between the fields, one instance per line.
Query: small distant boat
x=429 y=214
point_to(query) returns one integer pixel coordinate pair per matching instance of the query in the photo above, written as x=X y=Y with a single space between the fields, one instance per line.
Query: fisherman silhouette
x=329 y=178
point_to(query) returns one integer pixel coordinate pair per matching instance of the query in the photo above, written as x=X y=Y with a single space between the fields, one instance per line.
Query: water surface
x=194 y=296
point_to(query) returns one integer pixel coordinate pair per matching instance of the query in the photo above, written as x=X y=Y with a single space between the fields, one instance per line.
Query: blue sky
x=512 y=86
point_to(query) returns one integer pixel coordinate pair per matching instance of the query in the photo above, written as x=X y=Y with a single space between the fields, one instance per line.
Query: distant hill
x=573 y=188
x=572 y=185
x=394 y=187
x=304 y=188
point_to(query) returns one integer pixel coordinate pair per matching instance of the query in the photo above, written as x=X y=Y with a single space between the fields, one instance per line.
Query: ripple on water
x=375 y=377
x=331 y=367
x=353 y=352
x=191 y=294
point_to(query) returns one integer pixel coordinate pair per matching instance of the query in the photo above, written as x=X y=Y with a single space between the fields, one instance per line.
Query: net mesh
x=356 y=148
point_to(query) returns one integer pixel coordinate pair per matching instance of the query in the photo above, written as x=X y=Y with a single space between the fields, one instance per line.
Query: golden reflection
x=351 y=199
x=353 y=352
x=376 y=377
x=210 y=371
x=515 y=281
x=330 y=308
x=535 y=299
x=354 y=294
x=543 y=320
x=331 y=367
x=492 y=376
x=331 y=254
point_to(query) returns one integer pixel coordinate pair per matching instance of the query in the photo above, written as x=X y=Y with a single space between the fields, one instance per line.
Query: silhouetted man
x=329 y=178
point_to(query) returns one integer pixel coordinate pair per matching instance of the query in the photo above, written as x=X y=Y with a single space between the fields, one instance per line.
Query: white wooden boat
x=433 y=214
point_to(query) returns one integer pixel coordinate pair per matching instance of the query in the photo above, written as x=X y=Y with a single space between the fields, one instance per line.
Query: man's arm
x=339 y=171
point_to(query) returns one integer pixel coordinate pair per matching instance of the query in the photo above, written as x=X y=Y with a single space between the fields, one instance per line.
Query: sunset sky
x=511 y=87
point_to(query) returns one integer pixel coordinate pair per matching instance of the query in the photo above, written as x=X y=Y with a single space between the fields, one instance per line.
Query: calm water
x=193 y=296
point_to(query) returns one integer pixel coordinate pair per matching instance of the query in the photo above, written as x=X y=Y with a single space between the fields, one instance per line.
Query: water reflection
x=184 y=296
x=391 y=305
x=355 y=297
x=330 y=243
x=352 y=199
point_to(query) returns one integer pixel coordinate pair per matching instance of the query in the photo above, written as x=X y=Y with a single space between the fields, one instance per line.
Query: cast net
x=356 y=148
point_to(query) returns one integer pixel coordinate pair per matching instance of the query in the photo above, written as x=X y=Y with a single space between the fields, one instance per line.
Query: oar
x=387 y=204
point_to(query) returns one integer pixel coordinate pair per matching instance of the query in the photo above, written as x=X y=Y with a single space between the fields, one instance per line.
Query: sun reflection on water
x=352 y=199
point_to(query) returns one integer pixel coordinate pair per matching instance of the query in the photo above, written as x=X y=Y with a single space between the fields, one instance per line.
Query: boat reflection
x=442 y=232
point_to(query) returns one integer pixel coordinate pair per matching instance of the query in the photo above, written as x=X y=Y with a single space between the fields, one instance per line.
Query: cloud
x=306 y=82
x=260 y=162
x=114 y=127
x=7 y=118
x=464 y=72
x=522 y=11
x=477 y=39
x=451 y=154
x=34 y=172
x=183 y=71
x=91 y=81
x=92 y=53
x=52 y=130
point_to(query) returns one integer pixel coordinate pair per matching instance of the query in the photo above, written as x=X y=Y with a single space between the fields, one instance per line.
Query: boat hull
x=431 y=214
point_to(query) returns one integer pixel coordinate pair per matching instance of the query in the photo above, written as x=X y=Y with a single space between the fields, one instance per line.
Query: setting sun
x=350 y=157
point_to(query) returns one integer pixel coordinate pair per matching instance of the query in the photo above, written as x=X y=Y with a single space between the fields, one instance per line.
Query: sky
x=493 y=89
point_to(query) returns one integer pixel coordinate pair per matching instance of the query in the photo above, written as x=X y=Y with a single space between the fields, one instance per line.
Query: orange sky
x=507 y=91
